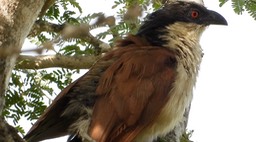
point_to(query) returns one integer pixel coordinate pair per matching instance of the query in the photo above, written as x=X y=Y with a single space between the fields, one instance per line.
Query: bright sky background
x=224 y=104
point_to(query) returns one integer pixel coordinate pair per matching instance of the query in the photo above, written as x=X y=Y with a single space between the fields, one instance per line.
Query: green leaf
x=222 y=2
x=76 y=5
x=238 y=6
x=53 y=12
x=250 y=6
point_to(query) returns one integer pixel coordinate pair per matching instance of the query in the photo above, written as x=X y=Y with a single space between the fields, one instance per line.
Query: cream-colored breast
x=184 y=39
x=172 y=113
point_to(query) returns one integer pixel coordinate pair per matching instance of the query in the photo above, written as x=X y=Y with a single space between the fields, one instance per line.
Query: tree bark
x=8 y=133
x=17 y=18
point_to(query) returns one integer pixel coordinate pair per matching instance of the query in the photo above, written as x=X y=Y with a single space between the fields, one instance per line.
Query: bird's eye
x=194 y=14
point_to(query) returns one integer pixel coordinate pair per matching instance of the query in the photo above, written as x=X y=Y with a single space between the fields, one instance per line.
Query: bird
x=139 y=90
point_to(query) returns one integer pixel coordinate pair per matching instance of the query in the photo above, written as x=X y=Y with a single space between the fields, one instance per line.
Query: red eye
x=194 y=14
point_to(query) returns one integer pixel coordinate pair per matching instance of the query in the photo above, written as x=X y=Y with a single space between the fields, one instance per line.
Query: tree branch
x=67 y=31
x=49 y=61
x=8 y=133
x=44 y=26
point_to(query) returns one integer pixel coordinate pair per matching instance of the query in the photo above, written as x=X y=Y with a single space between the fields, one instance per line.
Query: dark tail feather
x=74 y=138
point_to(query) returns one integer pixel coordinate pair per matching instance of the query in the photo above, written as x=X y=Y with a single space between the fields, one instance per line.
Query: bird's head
x=178 y=18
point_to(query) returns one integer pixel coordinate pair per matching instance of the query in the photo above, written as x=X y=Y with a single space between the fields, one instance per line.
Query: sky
x=224 y=104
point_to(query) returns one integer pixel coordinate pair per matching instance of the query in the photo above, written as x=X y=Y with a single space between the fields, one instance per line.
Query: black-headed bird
x=138 y=91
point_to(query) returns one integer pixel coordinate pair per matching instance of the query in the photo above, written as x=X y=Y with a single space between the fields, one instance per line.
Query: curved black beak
x=215 y=18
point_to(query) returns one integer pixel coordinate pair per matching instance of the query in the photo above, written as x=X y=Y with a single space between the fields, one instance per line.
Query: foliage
x=29 y=90
x=186 y=136
x=241 y=6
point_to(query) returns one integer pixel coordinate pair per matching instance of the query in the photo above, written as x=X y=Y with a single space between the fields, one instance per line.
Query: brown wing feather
x=46 y=126
x=133 y=90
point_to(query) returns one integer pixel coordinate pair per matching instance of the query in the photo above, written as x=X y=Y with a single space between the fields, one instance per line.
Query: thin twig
x=49 y=61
